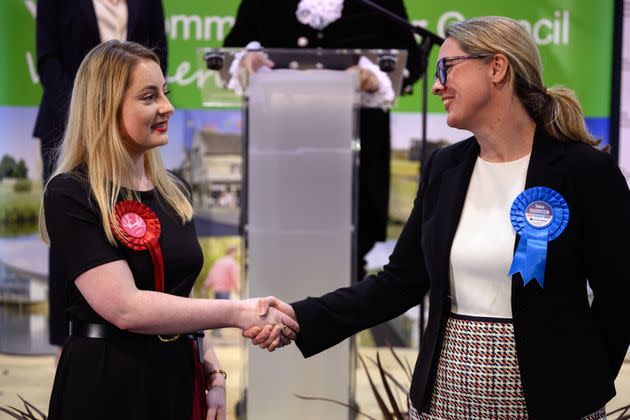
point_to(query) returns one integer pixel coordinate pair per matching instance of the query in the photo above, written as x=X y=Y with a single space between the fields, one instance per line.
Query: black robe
x=274 y=25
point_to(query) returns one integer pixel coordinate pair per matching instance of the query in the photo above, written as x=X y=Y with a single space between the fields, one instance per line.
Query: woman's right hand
x=261 y=315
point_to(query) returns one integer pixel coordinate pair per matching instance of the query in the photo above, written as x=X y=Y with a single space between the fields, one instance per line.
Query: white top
x=483 y=246
x=111 y=17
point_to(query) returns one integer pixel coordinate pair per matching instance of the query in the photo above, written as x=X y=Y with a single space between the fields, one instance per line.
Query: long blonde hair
x=557 y=109
x=93 y=142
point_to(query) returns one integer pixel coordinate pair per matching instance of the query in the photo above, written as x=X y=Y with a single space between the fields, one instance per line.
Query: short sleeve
x=77 y=239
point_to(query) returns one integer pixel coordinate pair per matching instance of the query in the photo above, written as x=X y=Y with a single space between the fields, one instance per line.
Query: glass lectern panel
x=299 y=207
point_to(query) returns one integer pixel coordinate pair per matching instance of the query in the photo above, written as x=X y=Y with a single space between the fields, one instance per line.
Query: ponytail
x=563 y=118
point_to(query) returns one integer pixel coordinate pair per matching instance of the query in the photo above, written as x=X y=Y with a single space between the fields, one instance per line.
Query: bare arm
x=110 y=290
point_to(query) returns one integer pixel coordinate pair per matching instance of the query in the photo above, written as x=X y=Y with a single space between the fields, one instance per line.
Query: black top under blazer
x=66 y=31
x=569 y=352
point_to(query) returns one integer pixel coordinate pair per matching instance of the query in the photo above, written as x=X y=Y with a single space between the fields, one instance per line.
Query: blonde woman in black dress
x=123 y=244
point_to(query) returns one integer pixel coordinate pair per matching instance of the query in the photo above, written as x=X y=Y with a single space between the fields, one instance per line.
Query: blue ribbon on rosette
x=538 y=215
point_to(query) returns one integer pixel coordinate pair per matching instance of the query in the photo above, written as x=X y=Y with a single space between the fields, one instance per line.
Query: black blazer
x=569 y=353
x=66 y=31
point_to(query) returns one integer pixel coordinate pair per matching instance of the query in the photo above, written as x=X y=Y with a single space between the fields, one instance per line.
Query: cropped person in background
x=341 y=24
x=507 y=230
x=124 y=250
x=223 y=278
x=66 y=31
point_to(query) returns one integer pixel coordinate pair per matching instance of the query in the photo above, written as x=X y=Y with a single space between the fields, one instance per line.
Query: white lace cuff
x=384 y=96
x=235 y=83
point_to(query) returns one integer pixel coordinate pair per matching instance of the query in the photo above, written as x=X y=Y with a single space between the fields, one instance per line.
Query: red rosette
x=139 y=229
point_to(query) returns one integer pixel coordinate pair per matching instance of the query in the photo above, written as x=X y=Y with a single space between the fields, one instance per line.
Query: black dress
x=132 y=376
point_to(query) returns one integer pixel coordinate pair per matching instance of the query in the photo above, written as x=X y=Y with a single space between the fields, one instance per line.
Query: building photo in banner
x=212 y=148
x=212 y=165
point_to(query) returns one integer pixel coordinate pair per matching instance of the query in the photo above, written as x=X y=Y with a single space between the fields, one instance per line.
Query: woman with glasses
x=508 y=229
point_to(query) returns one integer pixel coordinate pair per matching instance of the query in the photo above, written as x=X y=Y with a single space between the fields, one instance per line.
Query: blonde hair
x=93 y=142
x=557 y=109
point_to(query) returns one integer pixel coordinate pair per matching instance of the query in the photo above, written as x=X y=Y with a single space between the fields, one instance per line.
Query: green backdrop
x=574 y=36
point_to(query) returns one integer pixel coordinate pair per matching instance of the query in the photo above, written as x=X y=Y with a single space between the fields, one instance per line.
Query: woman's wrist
x=245 y=312
x=239 y=310
x=218 y=372
x=216 y=377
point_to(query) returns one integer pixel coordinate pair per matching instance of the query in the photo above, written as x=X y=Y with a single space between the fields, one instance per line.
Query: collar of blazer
x=458 y=166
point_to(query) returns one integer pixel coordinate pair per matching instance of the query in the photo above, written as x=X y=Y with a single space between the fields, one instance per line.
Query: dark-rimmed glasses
x=441 y=70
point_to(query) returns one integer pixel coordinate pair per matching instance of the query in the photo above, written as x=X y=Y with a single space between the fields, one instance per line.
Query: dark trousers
x=221 y=295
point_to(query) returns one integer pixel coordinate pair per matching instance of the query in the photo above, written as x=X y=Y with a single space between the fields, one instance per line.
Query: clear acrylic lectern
x=299 y=212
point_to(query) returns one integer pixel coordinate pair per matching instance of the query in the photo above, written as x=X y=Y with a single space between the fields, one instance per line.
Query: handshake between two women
x=276 y=325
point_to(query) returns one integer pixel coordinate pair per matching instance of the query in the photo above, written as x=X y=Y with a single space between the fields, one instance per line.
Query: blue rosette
x=538 y=215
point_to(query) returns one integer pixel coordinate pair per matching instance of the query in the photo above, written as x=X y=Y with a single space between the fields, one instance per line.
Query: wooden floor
x=32 y=377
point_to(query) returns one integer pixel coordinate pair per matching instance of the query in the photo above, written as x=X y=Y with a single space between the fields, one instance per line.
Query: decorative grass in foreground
x=30 y=412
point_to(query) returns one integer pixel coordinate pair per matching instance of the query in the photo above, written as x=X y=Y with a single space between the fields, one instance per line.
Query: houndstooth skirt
x=478 y=375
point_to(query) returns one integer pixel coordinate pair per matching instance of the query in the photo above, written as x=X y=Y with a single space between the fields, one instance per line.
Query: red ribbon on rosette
x=140 y=230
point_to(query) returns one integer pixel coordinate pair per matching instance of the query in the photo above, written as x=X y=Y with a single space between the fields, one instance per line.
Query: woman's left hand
x=215 y=400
